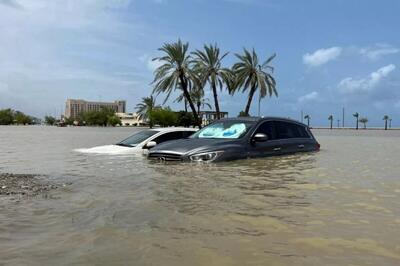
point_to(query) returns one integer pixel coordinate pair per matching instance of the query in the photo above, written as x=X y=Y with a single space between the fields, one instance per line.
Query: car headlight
x=205 y=157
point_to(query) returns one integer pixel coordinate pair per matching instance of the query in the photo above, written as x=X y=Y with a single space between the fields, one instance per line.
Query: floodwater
x=340 y=206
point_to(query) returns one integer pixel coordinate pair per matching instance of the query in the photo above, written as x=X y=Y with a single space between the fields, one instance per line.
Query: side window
x=287 y=130
x=302 y=131
x=267 y=128
x=168 y=136
x=186 y=134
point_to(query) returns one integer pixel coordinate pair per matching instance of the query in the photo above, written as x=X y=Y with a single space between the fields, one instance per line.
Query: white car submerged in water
x=142 y=141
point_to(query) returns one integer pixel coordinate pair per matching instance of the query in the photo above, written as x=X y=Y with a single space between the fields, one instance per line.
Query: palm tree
x=250 y=75
x=364 y=120
x=390 y=123
x=356 y=115
x=307 y=117
x=386 y=118
x=330 y=118
x=208 y=66
x=175 y=73
x=197 y=96
x=145 y=108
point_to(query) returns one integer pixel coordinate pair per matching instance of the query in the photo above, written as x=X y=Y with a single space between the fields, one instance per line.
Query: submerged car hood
x=184 y=146
x=109 y=149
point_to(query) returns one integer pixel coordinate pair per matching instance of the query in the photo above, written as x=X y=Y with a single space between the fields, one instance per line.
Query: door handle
x=301 y=146
x=277 y=149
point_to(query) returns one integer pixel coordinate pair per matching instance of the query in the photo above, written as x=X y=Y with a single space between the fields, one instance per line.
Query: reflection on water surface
x=338 y=206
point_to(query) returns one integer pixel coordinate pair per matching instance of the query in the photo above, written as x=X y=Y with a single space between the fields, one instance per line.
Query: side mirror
x=150 y=145
x=260 y=137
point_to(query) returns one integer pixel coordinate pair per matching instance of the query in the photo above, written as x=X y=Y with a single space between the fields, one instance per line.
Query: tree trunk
x=198 y=108
x=357 y=123
x=251 y=94
x=216 y=104
x=385 y=124
x=185 y=105
x=187 y=96
x=331 y=124
x=308 y=122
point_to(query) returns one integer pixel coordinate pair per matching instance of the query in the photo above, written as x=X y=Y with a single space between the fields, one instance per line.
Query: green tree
x=49 y=120
x=6 y=117
x=185 y=119
x=386 y=118
x=364 y=120
x=208 y=65
x=307 y=117
x=356 y=115
x=330 y=118
x=164 y=117
x=22 y=119
x=113 y=120
x=96 y=118
x=251 y=75
x=145 y=108
x=175 y=72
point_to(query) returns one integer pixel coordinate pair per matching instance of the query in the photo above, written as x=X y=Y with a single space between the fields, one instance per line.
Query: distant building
x=73 y=108
x=208 y=116
x=130 y=119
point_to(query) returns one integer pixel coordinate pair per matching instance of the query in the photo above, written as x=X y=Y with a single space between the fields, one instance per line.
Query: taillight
x=318 y=146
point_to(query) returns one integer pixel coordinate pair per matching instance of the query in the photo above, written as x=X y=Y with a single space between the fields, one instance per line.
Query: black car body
x=239 y=138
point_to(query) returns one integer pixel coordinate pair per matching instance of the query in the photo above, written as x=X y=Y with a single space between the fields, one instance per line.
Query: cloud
x=11 y=3
x=352 y=85
x=378 y=51
x=312 y=96
x=322 y=56
x=150 y=64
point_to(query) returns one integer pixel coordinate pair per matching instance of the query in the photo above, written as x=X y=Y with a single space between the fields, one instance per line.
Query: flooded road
x=340 y=206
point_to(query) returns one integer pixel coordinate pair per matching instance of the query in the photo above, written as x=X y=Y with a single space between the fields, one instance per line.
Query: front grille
x=165 y=156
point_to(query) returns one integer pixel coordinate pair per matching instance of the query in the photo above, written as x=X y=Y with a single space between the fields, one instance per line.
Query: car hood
x=109 y=149
x=184 y=146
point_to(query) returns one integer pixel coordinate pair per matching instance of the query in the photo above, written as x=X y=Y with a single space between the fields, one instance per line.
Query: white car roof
x=172 y=129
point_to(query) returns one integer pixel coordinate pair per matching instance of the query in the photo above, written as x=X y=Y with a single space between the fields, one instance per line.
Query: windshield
x=224 y=130
x=137 y=138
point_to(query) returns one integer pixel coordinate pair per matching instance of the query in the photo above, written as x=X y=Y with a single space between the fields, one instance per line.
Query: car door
x=268 y=148
x=293 y=137
x=306 y=142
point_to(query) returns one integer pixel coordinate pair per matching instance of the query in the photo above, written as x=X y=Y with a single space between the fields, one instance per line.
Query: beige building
x=73 y=108
x=130 y=119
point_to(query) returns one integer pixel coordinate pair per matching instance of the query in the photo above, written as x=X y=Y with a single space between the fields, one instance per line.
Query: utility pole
x=302 y=116
x=343 y=117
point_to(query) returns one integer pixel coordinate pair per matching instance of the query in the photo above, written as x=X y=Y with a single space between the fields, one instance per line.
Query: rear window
x=285 y=130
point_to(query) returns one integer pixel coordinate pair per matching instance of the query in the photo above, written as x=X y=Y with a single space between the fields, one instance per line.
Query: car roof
x=263 y=118
x=173 y=129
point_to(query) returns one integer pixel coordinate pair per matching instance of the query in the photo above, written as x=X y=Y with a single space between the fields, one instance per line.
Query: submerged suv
x=239 y=138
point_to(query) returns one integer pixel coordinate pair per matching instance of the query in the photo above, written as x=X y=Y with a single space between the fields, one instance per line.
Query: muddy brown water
x=340 y=206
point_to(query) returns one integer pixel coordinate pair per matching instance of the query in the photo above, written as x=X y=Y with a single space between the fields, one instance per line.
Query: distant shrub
x=164 y=117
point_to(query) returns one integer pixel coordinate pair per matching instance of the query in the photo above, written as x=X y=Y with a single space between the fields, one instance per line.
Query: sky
x=330 y=54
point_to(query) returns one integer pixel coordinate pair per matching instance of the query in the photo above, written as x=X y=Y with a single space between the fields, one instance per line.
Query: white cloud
x=322 y=56
x=351 y=85
x=378 y=51
x=150 y=64
x=312 y=96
